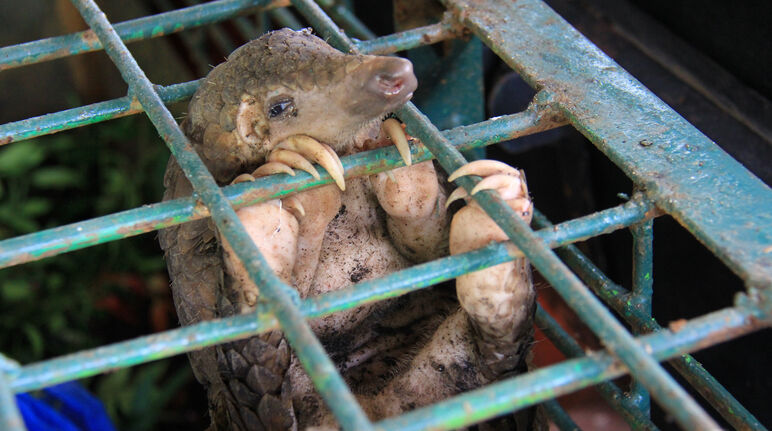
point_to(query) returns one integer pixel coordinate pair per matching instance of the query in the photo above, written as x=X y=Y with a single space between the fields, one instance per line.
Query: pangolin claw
x=322 y=154
x=394 y=131
x=243 y=178
x=293 y=205
x=499 y=176
x=293 y=160
x=483 y=168
x=271 y=168
x=457 y=194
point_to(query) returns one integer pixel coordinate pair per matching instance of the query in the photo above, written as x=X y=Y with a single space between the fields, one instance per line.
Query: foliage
x=101 y=294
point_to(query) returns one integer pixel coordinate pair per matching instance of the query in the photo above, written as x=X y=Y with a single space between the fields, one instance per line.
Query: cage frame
x=675 y=168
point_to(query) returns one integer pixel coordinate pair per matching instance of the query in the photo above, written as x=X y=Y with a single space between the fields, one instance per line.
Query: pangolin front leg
x=413 y=200
x=287 y=235
x=499 y=300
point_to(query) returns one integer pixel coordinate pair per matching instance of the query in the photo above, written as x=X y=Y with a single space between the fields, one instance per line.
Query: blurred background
x=709 y=60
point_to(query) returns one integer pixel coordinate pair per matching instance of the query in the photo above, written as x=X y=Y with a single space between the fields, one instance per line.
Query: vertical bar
x=342 y=14
x=452 y=76
x=281 y=297
x=608 y=390
x=10 y=418
x=559 y=417
x=285 y=18
x=643 y=281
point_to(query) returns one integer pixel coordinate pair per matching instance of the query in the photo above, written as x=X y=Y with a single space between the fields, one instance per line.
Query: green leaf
x=34 y=207
x=35 y=339
x=56 y=177
x=10 y=217
x=19 y=158
x=15 y=290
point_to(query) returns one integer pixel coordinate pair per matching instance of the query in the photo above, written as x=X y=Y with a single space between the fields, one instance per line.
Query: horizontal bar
x=127 y=105
x=634 y=313
x=682 y=170
x=325 y=377
x=558 y=416
x=130 y=31
x=51 y=242
x=549 y=382
x=608 y=390
x=89 y=114
x=186 y=339
x=409 y=39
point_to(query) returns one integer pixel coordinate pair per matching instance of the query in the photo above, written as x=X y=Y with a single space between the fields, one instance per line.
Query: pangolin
x=277 y=104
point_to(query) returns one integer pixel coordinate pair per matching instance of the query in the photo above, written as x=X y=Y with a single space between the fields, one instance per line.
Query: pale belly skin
x=400 y=354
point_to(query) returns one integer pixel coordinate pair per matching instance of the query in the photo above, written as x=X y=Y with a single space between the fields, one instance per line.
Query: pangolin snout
x=393 y=80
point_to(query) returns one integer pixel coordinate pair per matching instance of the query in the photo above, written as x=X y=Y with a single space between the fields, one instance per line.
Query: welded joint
x=547 y=109
x=7 y=364
x=757 y=300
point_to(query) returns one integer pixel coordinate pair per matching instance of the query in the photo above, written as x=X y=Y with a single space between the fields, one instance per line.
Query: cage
x=675 y=169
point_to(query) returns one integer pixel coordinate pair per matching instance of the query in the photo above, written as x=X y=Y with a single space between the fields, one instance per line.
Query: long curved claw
x=334 y=156
x=271 y=168
x=483 y=168
x=394 y=130
x=294 y=160
x=293 y=205
x=243 y=178
x=508 y=186
x=457 y=194
x=312 y=149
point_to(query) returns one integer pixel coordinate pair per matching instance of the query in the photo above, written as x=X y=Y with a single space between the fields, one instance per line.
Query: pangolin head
x=287 y=83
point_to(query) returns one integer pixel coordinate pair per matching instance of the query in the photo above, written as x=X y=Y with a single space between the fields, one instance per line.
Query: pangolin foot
x=506 y=180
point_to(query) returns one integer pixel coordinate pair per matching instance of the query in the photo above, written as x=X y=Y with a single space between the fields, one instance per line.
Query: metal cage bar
x=505 y=29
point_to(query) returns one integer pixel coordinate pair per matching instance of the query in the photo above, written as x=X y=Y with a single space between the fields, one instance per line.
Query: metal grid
x=676 y=169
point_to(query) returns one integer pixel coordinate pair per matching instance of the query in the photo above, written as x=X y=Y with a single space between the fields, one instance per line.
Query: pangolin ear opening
x=250 y=120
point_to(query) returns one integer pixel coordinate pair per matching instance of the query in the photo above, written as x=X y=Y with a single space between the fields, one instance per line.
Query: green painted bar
x=608 y=390
x=643 y=281
x=549 y=382
x=558 y=416
x=322 y=23
x=285 y=18
x=89 y=114
x=689 y=368
x=283 y=298
x=10 y=417
x=192 y=337
x=685 y=173
x=51 y=242
x=7 y=363
x=410 y=39
x=130 y=31
x=347 y=20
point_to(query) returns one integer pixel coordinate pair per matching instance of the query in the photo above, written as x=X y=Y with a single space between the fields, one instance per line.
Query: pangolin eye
x=281 y=108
